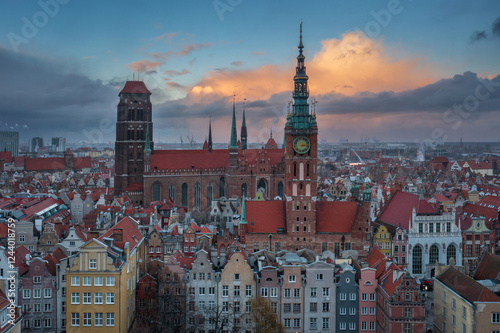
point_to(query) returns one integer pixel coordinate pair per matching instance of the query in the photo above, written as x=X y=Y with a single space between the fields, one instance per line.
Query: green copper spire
x=147 y=146
x=243 y=217
x=234 y=135
x=243 y=129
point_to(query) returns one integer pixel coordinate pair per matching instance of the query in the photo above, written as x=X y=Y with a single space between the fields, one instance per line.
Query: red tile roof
x=81 y=163
x=135 y=87
x=398 y=210
x=20 y=256
x=41 y=206
x=6 y=156
x=189 y=159
x=46 y=163
x=131 y=233
x=466 y=286
x=488 y=267
x=265 y=216
x=336 y=216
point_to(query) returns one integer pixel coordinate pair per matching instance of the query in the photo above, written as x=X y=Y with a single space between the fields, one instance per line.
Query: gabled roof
x=336 y=216
x=189 y=159
x=265 y=216
x=131 y=233
x=466 y=286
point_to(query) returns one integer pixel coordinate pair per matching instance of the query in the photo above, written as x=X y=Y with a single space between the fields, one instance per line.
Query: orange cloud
x=144 y=65
x=352 y=64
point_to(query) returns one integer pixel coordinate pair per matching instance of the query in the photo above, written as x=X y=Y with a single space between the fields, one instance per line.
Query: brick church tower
x=133 y=122
x=301 y=159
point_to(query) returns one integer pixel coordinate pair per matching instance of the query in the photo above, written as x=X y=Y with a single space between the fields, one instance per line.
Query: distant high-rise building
x=58 y=145
x=35 y=144
x=420 y=152
x=9 y=141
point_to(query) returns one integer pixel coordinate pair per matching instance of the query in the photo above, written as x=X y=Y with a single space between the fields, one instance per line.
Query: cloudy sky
x=389 y=70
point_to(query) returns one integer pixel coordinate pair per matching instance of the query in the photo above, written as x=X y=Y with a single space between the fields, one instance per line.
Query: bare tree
x=264 y=318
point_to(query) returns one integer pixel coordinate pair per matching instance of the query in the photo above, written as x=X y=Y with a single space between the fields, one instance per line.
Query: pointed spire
x=244 y=129
x=210 y=135
x=244 y=123
x=301 y=46
x=234 y=136
x=243 y=217
x=271 y=134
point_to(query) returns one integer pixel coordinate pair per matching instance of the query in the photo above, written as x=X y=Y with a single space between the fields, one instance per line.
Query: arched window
x=184 y=195
x=197 y=195
x=262 y=186
x=281 y=190
x=417 y=260
x=244 y=189
x=294 y=189
x=139 y=156
x=171 y=192
x=301 y=171
x=434 y=254
x=156 y=192
x=210 y=193
x=307 y=170
x=131 y=156
x=451 y=252
x=222 y=187
x=308 y=190
x=295 y=169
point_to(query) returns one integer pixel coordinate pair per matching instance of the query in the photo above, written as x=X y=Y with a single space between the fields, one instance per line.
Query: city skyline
x=394 y=71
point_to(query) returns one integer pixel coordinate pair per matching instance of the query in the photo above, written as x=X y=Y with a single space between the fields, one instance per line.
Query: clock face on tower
x=301 y=145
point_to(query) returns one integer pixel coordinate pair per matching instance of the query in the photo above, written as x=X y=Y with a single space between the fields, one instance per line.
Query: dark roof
x=488 y=268
x=135 y=87
x=466 y=286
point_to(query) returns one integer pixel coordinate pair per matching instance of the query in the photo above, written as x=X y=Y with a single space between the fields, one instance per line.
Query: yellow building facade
x=383 y=239
x=102 y=281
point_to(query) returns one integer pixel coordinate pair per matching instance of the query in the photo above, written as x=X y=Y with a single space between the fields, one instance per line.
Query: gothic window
x=171 y=192
x=281 y=190
x=184 y=195
x=262 y=186
x=308 y=190
x=294 y=189
x=295 y=169
x=417 y=260
x=139 y=156
x=222 y=187
x=156 y=192
x=131 y=156
x=244 y=189
x=307 y=171
x=197 y=195
x=210 y=193
x=433 y=254
x=301 y=171
x=451 y=252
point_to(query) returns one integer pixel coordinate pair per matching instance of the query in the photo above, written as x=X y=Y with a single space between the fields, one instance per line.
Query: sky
x=391 y=71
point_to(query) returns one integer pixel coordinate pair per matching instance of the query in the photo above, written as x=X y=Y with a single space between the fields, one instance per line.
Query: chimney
x=93 y=234
x=118 y=234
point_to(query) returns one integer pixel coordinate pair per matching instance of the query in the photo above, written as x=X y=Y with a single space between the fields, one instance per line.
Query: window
x=326 y=307
x=98 y=319
x=75 y=298
x=236 y=277
x=87 y=319
x=352 y=326
x=444 y=296
x=296 y=307
x=407 y=326
x=225 y=306
x=274 y=292
x=98 y=298
x=364 y=297
x=225 y=291
x=37 y=293
x=37 y=307
x=396 y=250
x=110 y=298
x=372 y=310
x=296 y=292
x=75 y=319
x=313 y=324
x=110 y=319
x=47 y=307
x=319 y=277
x=343 y=296
x=26 y=293
x=326 y=323
x=495 y=317
x=37 y=279
x=87 y=298
x=21 y=238
x=451 y=252
x=202 y=276
x=343 y=311
x=202 y=291
x=314 y=292
x=453 y=320
x=464 y=328
x=364 y=311
x=211 y=291
x=372 y=296
x=326 y=292
x=291 y=278
x=110 y=280
x=248 y=307
x=464 y=312
x=313 y=307
x=47 y=293
x=237 y=307
x=372 y=326
x=352 y=296
x=92 y=263
x=342 y=326
x=288 y=293
x=407 y=312
x=288 y=322
x=408 y=297
x=352 y=311
x=237 y=291
x=75 y=280
x=98 y=281
x=453 y=304
x=296 y=322
x=87 y=281
x=364 y=326
x=417 y=260
x=47 y=323
x=287 y=307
